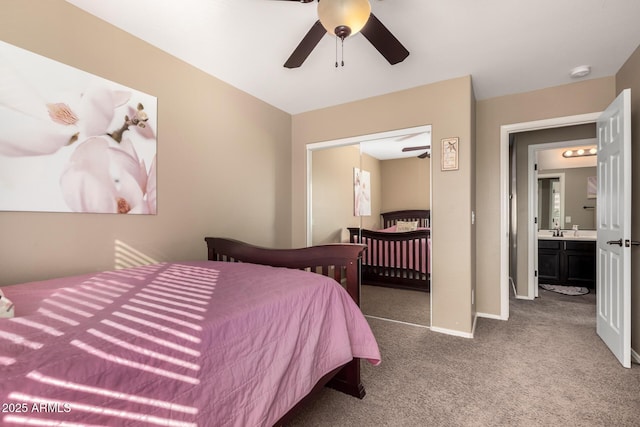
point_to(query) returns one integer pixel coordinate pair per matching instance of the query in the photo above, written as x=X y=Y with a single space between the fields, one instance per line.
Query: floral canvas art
x=361 y=192
x=71 y=141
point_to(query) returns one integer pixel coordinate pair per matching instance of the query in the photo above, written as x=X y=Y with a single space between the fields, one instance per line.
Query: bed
x=198 y=343
x=398 y=259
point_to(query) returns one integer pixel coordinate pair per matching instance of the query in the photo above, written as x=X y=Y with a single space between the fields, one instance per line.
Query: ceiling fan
x=426 y=154
x=373 y=30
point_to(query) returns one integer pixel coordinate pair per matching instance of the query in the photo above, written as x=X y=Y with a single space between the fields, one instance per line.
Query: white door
x=613 y=282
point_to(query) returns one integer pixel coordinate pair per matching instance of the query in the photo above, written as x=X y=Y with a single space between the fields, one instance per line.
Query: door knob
x=615 y=242
x=629 y=243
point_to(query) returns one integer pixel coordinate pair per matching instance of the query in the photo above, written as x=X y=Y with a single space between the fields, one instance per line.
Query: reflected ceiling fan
x=426 y=154
x=344 y=18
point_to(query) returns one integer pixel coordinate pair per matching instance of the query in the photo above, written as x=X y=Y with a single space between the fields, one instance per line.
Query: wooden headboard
x=339 y=261
x=423 y=216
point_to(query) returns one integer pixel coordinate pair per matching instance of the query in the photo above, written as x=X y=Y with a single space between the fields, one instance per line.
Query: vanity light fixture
x=580 y=152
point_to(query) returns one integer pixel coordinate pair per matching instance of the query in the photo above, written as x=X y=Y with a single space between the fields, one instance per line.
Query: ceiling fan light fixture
x=344 y=17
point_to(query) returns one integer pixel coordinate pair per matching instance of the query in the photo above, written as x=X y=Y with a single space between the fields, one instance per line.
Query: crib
x=397 y=259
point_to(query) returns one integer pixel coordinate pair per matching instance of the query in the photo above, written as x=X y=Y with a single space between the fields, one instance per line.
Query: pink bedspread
x=195 y=343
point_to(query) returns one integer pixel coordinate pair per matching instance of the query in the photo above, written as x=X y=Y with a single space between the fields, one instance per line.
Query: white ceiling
x=507 y=46
x=391 y=147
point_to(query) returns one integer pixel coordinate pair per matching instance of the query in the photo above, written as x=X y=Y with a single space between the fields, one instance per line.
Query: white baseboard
x=452 y=332
x=397 y=321
x=635 y=357
x=490 y=316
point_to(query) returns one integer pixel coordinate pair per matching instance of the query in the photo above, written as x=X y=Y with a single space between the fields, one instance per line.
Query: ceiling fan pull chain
x=342 y=53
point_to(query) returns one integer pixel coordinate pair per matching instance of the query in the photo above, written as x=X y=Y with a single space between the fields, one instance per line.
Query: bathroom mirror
x=564 y=198
x=550 y=203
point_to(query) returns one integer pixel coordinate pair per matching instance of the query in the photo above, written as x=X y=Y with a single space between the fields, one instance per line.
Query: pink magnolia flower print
x=62 y=114
x=96 y=108
x=32 y=131
x=151 y=188
x=40 y=128
x=63 y=126
x=104 y=177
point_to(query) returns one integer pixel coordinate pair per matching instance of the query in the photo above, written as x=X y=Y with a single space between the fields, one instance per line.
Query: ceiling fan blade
x=305 y=47
x=422 y=147
x=382 y=39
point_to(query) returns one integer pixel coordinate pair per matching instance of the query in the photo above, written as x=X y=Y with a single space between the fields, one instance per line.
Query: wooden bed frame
x=339 y=261
x=380 y=243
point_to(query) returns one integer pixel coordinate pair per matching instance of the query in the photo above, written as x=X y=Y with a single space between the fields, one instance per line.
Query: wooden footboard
x=339 y=261
x=399 y=260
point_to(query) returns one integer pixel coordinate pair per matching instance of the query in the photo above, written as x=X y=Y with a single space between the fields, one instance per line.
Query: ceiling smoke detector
x=580 y=71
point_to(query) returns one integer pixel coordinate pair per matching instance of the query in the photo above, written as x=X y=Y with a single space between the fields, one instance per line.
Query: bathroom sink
x=581 y=237
x=568 y=235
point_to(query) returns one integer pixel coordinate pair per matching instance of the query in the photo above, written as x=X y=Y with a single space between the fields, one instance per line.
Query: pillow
x=406 y=226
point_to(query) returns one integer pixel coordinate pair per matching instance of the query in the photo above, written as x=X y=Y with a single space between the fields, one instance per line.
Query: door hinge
x=535 y=273
x=535 y=167
x=535 y=220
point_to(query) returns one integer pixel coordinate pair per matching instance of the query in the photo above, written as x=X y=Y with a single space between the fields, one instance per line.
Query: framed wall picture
x=449 y=154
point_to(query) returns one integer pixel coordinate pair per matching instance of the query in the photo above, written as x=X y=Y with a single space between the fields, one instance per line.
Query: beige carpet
x=396 y=304
x=545 y=366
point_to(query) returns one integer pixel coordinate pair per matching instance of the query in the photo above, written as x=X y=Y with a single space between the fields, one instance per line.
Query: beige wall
x=373 y=165
x=406 y=184
x=395 y=184
x=629 y=77
x=333 y=195
x=578 y=98
x=448 y=107
x=224 y=157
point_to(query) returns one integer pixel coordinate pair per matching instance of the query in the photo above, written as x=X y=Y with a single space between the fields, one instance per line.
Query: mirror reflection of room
x=397 y=181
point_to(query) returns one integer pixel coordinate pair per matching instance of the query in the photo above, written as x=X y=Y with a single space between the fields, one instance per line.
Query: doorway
x=506 y=131
x=613 y=219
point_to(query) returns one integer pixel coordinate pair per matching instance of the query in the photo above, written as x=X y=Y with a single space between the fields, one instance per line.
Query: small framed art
x=449 y=154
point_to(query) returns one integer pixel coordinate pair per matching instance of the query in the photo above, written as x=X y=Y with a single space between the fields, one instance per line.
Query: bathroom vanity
x=567 y=260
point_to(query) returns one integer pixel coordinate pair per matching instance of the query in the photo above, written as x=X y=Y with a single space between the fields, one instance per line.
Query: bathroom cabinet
x=567 y=262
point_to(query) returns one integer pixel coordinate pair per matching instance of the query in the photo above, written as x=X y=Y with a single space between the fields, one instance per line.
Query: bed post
x=347 y=380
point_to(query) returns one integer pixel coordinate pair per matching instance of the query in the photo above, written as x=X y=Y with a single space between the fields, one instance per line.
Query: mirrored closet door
x=352 y=184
